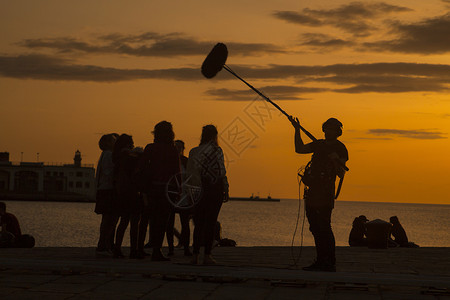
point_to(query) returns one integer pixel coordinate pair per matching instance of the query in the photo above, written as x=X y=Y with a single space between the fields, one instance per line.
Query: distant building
x=40 y=181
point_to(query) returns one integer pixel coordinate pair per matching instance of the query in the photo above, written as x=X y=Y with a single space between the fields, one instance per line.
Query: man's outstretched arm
x=300 y=147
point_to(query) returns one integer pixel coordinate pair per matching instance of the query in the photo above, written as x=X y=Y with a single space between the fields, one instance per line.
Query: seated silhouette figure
x=357 y=237
x=399 y=234
x=10 y=233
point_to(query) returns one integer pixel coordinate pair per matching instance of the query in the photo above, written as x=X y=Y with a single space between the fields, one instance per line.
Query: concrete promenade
x=242 y=273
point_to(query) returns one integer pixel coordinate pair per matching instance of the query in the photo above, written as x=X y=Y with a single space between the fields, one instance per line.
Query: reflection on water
x=250 y=224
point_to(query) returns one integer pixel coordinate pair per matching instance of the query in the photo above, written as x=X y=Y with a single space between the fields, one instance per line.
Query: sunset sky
x=71 y=71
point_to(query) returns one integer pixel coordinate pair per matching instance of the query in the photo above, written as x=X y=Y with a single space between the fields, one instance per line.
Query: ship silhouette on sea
x=255 y=199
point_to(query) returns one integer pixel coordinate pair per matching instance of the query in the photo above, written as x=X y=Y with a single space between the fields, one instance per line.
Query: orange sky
x=72 y=70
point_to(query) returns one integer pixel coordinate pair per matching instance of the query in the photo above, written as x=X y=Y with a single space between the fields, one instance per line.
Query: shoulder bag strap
x=339 y=187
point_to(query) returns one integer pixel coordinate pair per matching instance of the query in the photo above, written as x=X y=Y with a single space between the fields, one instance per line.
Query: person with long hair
x=129 y=203
x=162 y=162
x=206 y=164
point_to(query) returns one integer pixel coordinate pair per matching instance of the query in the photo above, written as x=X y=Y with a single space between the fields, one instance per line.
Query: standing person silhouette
x=206 y=164
x=129 y=206
x=329 y=155
x=162 y=161
x=185 y=214
x=105 y=197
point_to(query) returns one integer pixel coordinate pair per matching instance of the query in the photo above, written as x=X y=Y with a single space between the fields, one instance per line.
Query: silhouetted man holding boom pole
x=327 y=162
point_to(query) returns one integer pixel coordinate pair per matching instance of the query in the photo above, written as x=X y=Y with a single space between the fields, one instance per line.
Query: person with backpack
x=328 y=160
x=206 y=165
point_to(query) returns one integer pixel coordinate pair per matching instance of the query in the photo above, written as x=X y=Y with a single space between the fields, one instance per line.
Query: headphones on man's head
x=333 y=123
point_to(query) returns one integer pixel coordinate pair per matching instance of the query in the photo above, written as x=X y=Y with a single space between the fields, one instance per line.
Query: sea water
x=65 y=224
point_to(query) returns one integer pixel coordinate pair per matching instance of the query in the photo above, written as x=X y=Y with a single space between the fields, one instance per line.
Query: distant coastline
x=67 y=197
x=45 y=197
x=79 y=198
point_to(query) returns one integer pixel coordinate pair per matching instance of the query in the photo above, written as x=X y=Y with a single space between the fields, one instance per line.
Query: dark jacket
x=161 y=162
x=125 y=164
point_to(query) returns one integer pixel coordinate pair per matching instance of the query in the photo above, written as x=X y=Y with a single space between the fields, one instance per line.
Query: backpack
x=313 y=178
x=307 y=178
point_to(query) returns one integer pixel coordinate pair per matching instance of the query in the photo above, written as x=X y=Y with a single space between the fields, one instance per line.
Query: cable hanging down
x=299 y=181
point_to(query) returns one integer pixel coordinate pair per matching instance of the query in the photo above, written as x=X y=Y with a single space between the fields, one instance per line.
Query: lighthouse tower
x=77 y=159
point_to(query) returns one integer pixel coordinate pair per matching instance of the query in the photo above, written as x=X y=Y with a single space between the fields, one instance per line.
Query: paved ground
x=243 y=273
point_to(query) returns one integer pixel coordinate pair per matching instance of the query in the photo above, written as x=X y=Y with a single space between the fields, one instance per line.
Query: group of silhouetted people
x=378 y=233
x=135 y=186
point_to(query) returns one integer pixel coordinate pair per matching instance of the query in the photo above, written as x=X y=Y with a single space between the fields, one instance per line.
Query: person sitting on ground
x=357 y=237
x=378 y=232
x=399 y=234
x=11 y=234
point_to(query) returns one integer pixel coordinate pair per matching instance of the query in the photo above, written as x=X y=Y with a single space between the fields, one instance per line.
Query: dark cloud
x=434 y=115
x=279 y=92
x=354 y=17
x=354 y=78
x=388 y=83
x=139 y=38
x=298 y=18
x=314 y=72
x=426 y=36
x=429 y=36
x=318 y=40
x=413 y=134
x=374 y=138
x=52 y=68
x=146 y=44
x=360 y=78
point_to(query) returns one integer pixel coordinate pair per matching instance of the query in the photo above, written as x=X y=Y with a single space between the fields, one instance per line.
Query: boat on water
x=255 y=198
